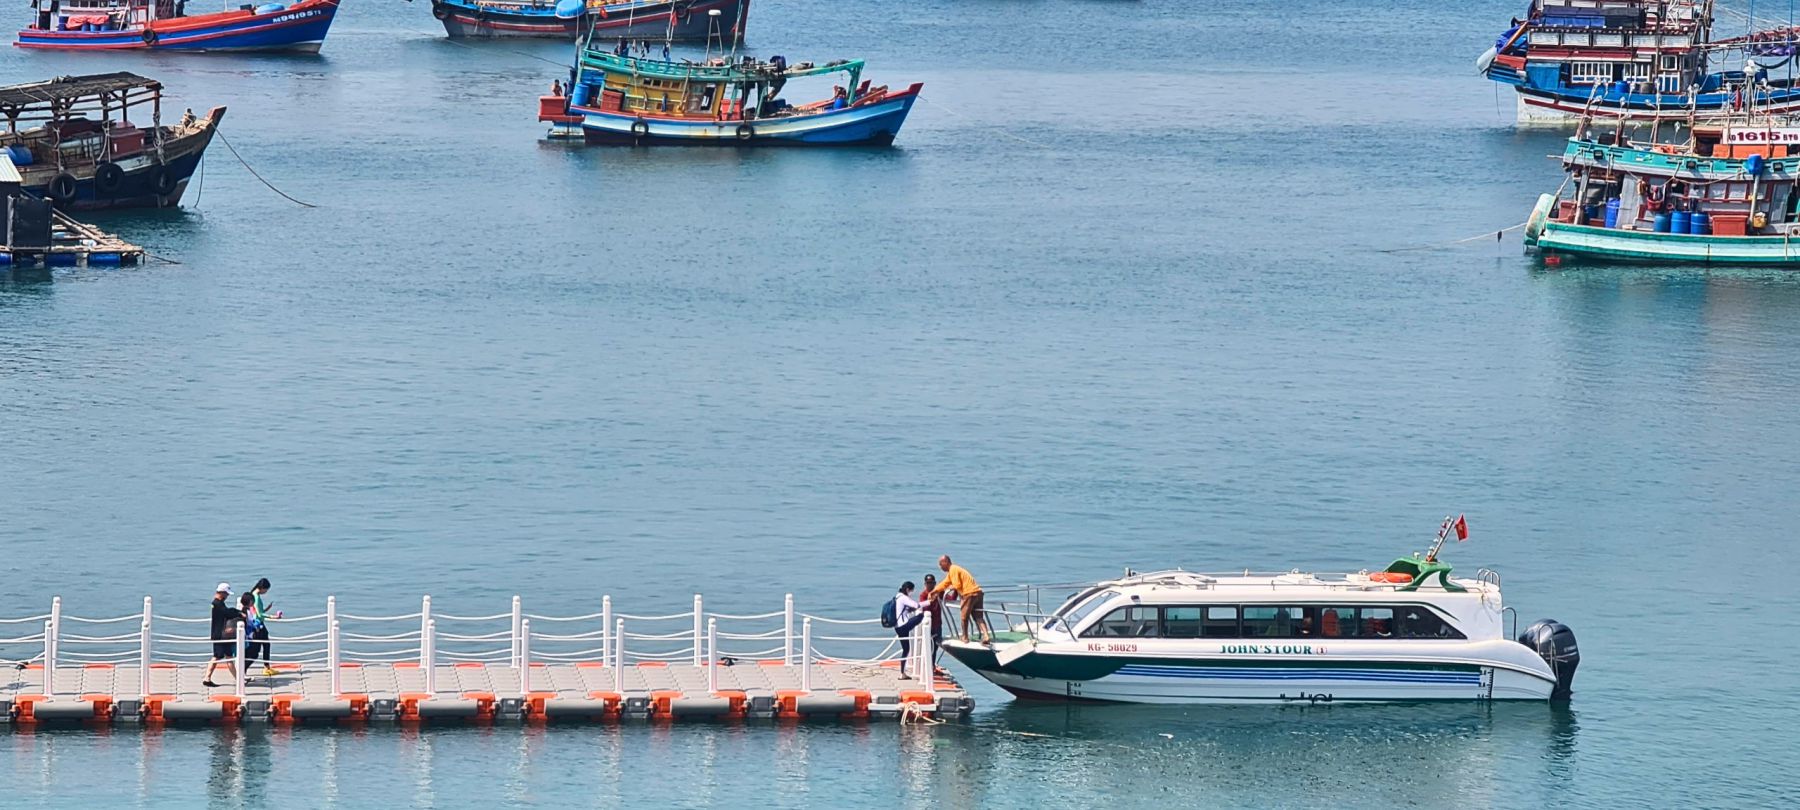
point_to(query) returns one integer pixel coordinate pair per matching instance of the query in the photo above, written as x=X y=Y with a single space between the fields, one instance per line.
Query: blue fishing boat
x=1638 y=59
x=166 y=25
x=620 y=99
x=656 y=20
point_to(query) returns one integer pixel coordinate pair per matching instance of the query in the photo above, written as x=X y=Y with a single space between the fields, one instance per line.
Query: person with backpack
x=903 y=614
x=261 y=614
x=225 y=619
x=252 y=626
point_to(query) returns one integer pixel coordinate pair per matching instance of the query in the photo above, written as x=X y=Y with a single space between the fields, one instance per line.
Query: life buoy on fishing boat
x=640 y=128
x=745 y=132
x=438 y=10
x=162 y=180
x=107 y=178
x=62 y=188
x=149 y=36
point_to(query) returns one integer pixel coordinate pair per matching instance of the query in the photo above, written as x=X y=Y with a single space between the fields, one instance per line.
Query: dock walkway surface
x=344 y=668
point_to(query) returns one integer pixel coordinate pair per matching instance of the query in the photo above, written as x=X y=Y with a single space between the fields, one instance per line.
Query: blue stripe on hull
x=264 y=33
x=878 y=124
x=1298 y=674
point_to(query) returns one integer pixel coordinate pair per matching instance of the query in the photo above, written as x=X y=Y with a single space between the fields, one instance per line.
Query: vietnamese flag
x=1462 y=528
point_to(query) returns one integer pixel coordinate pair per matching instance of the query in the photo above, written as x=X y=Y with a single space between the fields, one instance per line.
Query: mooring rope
x=247 y=167
x=1483 y=235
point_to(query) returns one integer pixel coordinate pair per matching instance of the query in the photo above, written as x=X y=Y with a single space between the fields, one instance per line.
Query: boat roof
x=70 y=88
x=1289 y=584
x=742 y=71
x=1647 y=159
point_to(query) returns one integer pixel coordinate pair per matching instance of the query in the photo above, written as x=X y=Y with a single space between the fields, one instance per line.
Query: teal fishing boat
x=1725 y=196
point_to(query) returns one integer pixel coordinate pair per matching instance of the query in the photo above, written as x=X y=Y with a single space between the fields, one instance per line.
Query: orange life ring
x=1390 y=576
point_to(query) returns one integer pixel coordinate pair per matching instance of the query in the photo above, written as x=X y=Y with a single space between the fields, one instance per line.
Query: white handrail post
x=787 y=642
x=243 y=672
x=517 y=617
x=332 y=656
x=697 y=651
x=430 y=662
x=712 y=656
x=49 y=659
x=606 y=628
x=922 y=647
x=806 y=655
x=525 y=657
x=330 y=613
x=55 y=629
x=424 y=626
x=619 y=657
x=147 y=614
x=144 y=656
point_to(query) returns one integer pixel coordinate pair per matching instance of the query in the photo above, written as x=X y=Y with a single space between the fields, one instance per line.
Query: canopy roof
x=733 y=72
x=73 y=88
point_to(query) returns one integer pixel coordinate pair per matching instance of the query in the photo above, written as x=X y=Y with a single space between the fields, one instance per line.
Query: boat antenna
x=1459 y=523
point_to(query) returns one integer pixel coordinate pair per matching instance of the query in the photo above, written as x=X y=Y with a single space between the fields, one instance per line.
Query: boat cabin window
x=1184 y=622
x=1126 y=622
x=1073 y=611
x=1261 y=621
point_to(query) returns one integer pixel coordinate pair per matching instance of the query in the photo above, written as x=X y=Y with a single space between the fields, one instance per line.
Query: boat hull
x=145 y=181
x=1309 y=678
x=300 y=27
x=1617 y=244
x=1543 y=98
x=871 y=124
x=676 y=20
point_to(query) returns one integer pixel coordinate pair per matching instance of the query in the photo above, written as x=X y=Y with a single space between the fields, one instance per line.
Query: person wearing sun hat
x=224 y=630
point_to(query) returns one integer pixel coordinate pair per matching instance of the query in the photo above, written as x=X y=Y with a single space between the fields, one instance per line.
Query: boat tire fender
x=162 y=180
x=62 y=188
x=438 y=10
x=108 y=177
x=745 y=132
x=640 y=128
x=149 y=36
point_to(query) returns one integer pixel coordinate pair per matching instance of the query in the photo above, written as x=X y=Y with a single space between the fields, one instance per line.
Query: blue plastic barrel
x=20 y=155
x=1699 y=224
x=1678 y=222
x=580 y=95
x=1612 y=213
x=1662 y=223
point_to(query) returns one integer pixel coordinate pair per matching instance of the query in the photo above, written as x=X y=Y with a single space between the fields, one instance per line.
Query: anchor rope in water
x=1483 y=235
x=247 y=167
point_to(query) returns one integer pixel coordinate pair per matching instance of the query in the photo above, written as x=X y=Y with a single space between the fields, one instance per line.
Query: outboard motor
x=1555 y=643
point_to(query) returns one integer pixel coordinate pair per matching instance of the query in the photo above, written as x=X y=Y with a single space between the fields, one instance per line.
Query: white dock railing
x=432 y=639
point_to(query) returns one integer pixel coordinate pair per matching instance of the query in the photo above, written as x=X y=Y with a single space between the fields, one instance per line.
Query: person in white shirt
x=907 y=616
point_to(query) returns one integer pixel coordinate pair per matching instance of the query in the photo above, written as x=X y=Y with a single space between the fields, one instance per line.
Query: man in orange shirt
x=957 y=579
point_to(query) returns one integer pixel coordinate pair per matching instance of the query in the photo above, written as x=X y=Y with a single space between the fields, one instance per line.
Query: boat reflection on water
x=1434 y=754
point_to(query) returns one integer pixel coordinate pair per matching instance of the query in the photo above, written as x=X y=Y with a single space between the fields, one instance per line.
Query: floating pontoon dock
x=34 y=234
x=404 y=669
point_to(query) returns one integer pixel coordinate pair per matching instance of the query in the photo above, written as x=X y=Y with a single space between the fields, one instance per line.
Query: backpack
x=888 y=619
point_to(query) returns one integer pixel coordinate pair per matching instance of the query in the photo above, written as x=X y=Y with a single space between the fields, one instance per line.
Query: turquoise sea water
x=1116 y=297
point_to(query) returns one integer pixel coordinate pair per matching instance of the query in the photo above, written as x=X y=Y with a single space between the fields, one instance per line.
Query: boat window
x=1338 y=622
x=1417 y=621
x=1184 y=622
x=1125 y=622
x=1071 y=616
x=1378 y=622
x=1268 y=621
x=1221 y=622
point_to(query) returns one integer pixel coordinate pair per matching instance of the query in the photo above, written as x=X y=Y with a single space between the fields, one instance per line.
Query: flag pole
x=1443 y=531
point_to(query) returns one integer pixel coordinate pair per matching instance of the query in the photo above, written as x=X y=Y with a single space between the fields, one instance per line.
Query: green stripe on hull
x=1615 y=243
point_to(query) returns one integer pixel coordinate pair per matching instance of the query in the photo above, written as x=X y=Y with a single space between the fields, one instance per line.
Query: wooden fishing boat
x=166 y=25
x=618 y=99
x=74 y=143
x=1725 y=196
x=1643 y=59
x=654 y=20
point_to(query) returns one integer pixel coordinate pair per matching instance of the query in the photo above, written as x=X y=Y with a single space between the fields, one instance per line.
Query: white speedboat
x=1408 y=633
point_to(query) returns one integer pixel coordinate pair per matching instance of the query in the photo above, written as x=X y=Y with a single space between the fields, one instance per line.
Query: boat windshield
x=1073 y=611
